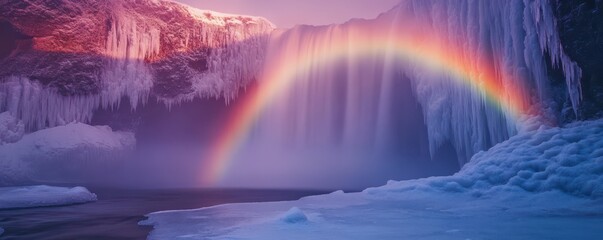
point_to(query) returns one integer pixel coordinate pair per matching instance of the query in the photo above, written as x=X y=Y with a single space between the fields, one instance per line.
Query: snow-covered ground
x=543 y=184
x=43 y=196
x=57 y=153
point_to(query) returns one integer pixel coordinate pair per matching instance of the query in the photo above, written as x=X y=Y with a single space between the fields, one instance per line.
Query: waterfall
x=473 y=73
x=351 y=104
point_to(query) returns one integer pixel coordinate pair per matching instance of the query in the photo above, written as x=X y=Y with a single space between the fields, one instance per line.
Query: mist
x=172 y=147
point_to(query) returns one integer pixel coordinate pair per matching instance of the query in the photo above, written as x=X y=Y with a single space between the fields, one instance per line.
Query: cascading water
x=349 y=105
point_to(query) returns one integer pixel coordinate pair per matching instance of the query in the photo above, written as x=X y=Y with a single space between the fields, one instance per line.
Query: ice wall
x=510 y=37
x=350 y=103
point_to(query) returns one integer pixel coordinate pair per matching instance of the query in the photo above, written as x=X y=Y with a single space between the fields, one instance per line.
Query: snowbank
x=569 y=160
x=43 y=196
x=544 y=184
x=53 y=153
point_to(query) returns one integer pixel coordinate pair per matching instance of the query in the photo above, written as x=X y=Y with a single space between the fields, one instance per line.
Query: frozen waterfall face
x=494 y=63
x=62 y=60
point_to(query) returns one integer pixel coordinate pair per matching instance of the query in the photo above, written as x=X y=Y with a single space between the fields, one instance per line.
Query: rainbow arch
x=421 y=49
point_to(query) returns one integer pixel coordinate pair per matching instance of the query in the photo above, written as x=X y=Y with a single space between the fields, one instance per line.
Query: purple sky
x=287 y=13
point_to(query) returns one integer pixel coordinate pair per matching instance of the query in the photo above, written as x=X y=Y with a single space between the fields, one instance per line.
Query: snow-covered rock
x=83 y=55
x=543 y=184
x=60 y=152
x=43 y=196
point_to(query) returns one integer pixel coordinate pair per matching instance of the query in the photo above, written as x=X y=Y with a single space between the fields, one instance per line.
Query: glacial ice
x=43 y=196
x=54 y=154
x=541 y=184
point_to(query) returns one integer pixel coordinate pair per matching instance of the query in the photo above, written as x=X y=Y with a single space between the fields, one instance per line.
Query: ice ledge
x=43 y=196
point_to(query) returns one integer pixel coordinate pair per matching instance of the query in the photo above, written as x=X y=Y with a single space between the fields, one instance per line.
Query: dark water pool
x=117 y=212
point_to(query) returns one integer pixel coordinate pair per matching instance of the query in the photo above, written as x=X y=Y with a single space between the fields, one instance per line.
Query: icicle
x=39 y=107
x=545 y=25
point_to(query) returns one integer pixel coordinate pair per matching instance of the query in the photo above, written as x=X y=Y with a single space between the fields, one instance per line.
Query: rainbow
x=421 y=49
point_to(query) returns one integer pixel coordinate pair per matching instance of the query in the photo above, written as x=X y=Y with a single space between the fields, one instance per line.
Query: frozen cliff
x=61 y=60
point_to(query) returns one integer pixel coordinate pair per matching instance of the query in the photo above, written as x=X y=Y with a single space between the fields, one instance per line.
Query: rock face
x=62 y=59
x=580 y=26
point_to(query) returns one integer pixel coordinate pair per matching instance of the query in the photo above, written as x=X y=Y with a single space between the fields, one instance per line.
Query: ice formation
x=37 y=106
x=131 y=52
x=542 y=184
x=294 y=215
x=62 y=153
x=354 y=102
x=43 y=196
